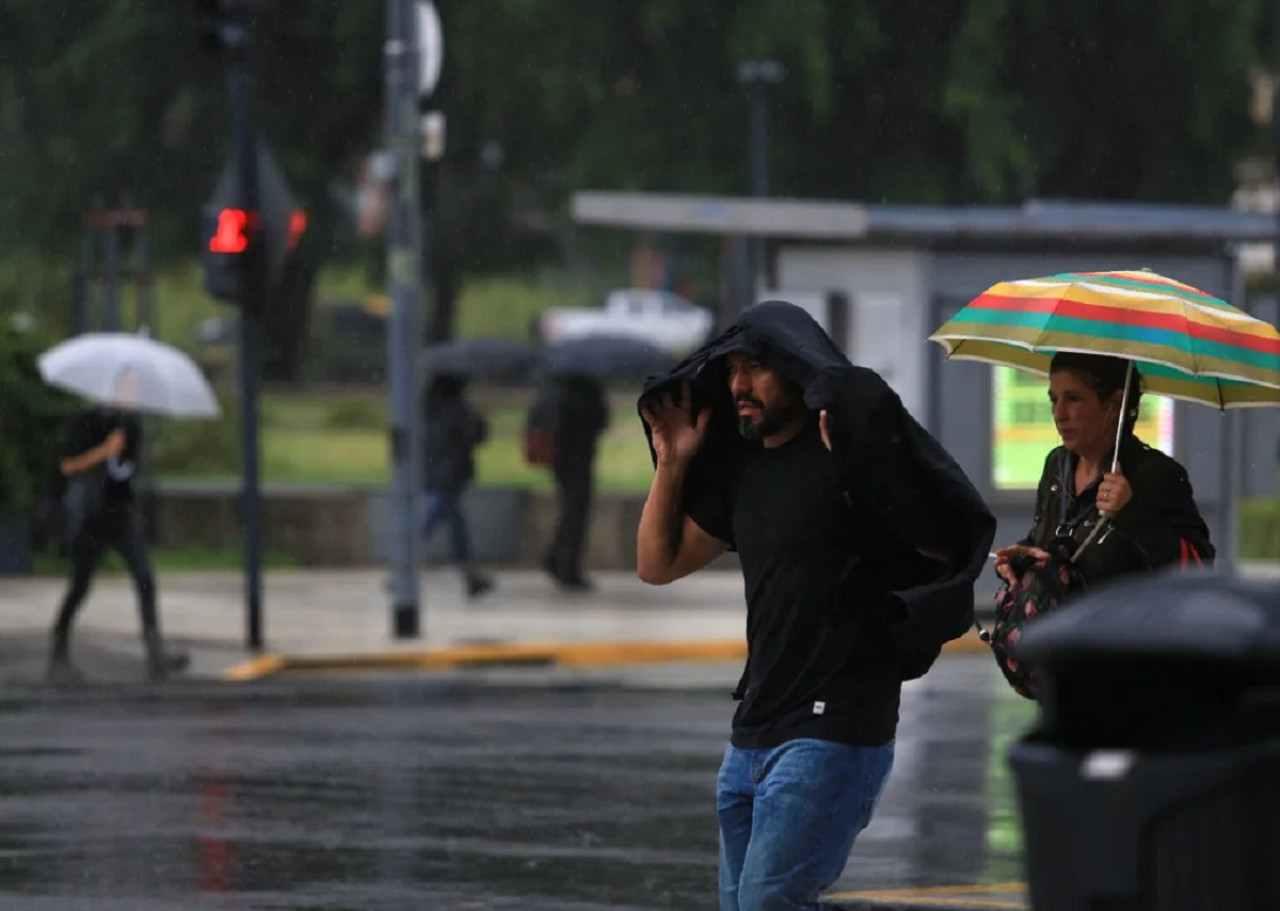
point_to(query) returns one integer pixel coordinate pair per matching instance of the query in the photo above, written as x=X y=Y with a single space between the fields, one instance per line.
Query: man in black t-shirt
x=812 y=740
x=101 y=453
x=860 y=539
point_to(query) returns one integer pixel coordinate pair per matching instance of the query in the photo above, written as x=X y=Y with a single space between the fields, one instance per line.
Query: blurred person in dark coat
x=452 y=430
x=562 y=432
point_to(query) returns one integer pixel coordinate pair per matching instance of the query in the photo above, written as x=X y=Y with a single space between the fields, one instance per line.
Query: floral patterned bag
x=1039 y=590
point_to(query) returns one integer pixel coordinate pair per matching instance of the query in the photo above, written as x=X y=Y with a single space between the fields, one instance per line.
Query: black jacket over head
x=888 y=464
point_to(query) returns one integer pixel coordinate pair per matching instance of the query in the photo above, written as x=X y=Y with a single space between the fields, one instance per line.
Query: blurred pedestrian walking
x=563 y=429
x=452 y=429
x=95 y=487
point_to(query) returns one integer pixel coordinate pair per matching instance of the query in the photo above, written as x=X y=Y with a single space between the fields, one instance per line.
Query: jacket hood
x=779 y=334
x=784 y=337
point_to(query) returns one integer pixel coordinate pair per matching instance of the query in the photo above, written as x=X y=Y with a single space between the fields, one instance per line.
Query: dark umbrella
x=471 y=357
x=606 y=357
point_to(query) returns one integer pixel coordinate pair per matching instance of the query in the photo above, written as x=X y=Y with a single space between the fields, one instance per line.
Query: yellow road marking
x=561 y=654
x=943 y=896
x=577 y=654
x=943 y=902
x=254 y=668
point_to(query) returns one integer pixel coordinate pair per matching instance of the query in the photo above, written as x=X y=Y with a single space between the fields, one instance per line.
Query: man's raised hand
x=676 y=434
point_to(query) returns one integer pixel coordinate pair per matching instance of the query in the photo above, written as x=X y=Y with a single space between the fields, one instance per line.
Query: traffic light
x=230 y=230
x=227 y=234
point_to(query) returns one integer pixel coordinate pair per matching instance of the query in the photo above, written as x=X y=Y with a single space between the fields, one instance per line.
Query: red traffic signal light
x=297 y=224
x=245 y=246
x=231 y=235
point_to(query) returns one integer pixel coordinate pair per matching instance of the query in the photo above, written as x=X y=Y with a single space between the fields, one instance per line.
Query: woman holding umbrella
x=1107 y=504
x=99 y=462
x=124 y=374
x=1147 y=501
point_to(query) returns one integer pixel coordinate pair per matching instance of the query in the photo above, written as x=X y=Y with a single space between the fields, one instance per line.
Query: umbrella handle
x=1124 y=406
x=1089 y=540
x=1115 y=459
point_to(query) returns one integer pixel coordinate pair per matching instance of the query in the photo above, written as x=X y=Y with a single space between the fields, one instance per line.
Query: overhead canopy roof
x=850 y=221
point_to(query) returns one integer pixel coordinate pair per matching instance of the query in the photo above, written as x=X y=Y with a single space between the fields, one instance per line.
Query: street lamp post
x=756 y=76
x=252 y=304
x=404 y=280
x=413 y=57
x=430 y=37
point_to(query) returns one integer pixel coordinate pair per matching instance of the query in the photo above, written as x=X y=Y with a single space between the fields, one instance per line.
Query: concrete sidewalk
x=334 y=619
x=324 y=619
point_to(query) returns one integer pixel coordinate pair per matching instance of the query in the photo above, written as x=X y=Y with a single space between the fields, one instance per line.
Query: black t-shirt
x=820 y=660
x=91 y=429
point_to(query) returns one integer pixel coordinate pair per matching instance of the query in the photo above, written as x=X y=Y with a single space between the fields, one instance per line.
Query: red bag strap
x=1190 y=553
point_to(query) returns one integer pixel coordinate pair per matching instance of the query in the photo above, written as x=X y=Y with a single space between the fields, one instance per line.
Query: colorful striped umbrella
x=1188 y=344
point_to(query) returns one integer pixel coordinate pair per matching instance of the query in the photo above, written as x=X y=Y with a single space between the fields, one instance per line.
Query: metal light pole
x=113 y=274
x=430 y=42
x=253 y=299
x=404 y=279
x=225 y=32
x=225 y=27
x=1275 y=127
x=756 y=76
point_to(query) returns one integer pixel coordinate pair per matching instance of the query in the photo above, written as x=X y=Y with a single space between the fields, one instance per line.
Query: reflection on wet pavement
x=444 y=792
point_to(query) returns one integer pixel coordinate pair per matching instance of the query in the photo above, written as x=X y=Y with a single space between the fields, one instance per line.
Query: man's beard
x=772 y=419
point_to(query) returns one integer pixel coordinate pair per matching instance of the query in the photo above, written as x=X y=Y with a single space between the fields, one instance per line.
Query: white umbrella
x=116 y=368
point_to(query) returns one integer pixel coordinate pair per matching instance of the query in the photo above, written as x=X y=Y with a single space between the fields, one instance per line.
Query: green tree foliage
x=1103 y=100
x=33 y=417
x=112 y=100
x=899 y=100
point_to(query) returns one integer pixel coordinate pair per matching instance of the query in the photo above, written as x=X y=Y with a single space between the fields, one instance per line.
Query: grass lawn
x=300 y=454
x=326 y=439
x=322 y=439
x=317 y=440
x=487 y=305
x=490 y=305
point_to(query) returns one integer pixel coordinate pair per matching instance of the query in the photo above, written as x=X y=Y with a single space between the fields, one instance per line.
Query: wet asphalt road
x=528 y=790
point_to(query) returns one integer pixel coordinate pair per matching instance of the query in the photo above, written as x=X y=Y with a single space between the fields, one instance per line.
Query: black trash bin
x=1152 y=780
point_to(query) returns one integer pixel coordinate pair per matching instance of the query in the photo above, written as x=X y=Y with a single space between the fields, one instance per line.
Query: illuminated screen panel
x=1022 y=431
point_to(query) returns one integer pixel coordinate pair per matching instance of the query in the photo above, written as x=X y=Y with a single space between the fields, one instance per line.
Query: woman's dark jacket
x=1148 y=533
x=452 y=430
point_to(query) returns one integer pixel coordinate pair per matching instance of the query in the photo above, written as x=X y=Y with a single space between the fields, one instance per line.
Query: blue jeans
x=446 y=506
x=788 y=819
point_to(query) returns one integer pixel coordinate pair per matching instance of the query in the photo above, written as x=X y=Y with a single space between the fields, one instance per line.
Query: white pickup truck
x=659 y=317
